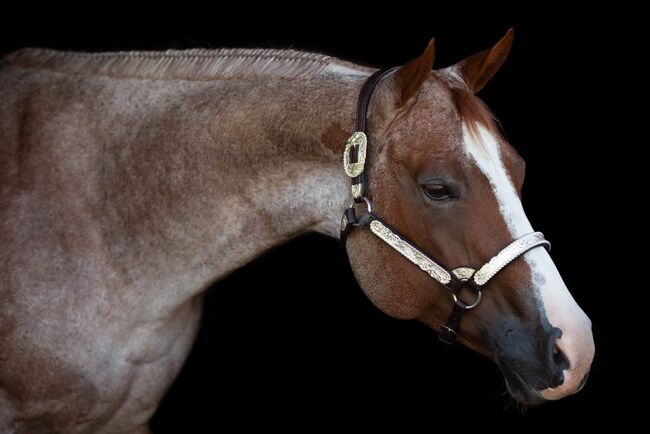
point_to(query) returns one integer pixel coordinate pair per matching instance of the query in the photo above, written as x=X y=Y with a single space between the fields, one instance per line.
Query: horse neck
x=281 y=153
x=260 y=164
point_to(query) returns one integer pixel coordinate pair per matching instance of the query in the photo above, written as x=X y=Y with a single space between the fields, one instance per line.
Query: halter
x=354 y=158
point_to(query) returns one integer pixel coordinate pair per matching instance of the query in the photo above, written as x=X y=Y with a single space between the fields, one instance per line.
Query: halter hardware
x=354 y=159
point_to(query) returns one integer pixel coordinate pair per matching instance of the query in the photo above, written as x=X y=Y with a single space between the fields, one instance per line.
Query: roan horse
x=130 y=182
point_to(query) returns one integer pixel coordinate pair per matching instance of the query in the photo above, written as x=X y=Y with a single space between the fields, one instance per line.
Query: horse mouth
x=521 y=391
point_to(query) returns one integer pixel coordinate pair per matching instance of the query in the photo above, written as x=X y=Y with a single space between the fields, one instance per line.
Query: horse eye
x=436 y=191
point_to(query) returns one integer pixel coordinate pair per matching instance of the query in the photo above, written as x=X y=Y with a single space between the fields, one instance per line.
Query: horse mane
x=219 y=64
x=194 y=64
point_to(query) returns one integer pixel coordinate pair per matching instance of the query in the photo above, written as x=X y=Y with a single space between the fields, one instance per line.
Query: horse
x=132 y=181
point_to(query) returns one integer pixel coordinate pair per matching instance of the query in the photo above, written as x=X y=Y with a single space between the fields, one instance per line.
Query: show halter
x=354 y=159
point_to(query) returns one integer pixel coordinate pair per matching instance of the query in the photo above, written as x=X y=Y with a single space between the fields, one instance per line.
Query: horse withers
x=130 y=182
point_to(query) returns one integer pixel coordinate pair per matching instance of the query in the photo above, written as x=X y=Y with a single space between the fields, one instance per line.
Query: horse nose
x=571 y=351
x=558 y=360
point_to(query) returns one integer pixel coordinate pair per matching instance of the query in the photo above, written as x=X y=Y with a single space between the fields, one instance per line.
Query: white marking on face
x=561 y=309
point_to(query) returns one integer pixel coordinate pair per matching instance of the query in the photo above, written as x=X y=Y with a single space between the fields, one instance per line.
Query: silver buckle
x=358 y=139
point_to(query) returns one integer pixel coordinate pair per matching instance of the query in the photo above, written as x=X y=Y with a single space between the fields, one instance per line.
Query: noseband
x=354 y=158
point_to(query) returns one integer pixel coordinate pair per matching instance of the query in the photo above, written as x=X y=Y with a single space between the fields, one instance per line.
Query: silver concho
x=463 y=273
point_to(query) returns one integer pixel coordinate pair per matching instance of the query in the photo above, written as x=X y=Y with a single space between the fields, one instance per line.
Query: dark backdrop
x=290 y=340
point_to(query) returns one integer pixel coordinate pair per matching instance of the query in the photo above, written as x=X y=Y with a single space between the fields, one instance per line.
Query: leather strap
x=362 y=124
x=364 y=97
x=448 y=333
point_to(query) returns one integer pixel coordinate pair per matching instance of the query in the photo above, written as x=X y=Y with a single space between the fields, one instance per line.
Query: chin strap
x=454 y=280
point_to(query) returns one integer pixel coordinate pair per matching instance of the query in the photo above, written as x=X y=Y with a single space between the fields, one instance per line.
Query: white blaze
x=561 y=309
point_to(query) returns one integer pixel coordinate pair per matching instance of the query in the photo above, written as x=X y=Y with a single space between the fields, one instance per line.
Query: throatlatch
x=354 y=159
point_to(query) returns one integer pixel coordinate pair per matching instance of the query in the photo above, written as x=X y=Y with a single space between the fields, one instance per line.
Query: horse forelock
x=474 y=113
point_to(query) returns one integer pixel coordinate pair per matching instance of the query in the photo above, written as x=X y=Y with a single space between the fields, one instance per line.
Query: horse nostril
x=560 y=364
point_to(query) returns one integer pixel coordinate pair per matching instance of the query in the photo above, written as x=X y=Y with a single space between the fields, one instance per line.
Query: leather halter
x=354 y=158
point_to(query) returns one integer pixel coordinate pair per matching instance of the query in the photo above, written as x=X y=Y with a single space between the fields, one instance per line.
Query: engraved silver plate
x=356 y=191
x=511 y=252
x=409 y=252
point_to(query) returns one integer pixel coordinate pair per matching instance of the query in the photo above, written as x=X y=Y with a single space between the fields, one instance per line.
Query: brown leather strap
x=364 y=97
x=362 y=122
x=449 y=330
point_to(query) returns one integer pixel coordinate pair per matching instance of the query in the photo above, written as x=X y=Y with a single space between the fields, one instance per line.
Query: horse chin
x=520 y=390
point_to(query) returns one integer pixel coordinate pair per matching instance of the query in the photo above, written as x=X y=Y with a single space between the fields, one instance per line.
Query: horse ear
x=478 y=69
x=410 y=77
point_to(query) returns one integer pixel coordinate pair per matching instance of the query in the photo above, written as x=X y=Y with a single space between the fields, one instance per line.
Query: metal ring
x=368 y=204
x=466 y=306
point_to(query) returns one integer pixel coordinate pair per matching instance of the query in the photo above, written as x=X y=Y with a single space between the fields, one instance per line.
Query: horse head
x=442 y=174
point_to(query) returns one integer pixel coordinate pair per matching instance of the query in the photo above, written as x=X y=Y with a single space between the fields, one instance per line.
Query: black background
x=290 y=340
